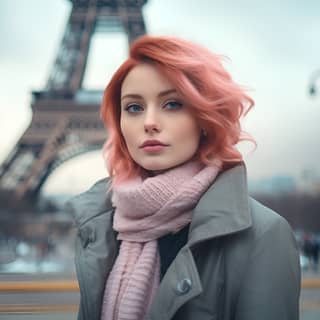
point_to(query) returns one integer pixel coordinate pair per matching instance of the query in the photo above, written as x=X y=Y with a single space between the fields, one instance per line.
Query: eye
x=133 y=108
x=173 y=105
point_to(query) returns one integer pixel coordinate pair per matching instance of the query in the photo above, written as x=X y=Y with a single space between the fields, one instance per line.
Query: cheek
x=193 y=140
x=125 y=131
x=190 y=133
x=129 y=133
x=126 y=128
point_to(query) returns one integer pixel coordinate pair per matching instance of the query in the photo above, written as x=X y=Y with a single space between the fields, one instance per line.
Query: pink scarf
x=145 y=211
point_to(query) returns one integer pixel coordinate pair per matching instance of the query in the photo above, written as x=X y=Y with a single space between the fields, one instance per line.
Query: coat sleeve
x=78 y=249
x=270 y=288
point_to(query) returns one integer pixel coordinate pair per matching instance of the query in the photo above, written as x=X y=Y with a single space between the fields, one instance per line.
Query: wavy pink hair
x=217 y=102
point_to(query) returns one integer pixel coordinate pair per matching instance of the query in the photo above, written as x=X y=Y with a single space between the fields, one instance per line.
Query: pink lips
x=153 y=145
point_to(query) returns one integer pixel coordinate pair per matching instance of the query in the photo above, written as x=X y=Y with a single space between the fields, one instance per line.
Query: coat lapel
x=96 y=245
x=94 y=261
x=180 y=284
x=224 y=207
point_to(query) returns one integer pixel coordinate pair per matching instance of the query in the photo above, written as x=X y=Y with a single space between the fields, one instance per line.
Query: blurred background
x=56 y=57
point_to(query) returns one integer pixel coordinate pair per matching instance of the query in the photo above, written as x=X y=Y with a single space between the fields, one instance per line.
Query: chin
x=153 y=167
x=159 y=166
x=156 y=165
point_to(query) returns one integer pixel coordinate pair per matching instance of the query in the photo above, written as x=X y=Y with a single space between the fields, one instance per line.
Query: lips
x=152 y=143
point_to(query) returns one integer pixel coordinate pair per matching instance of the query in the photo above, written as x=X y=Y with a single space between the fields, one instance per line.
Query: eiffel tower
x=65 y=121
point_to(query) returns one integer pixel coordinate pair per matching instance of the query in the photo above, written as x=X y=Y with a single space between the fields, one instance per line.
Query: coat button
x=184 y=286
x=86 y=235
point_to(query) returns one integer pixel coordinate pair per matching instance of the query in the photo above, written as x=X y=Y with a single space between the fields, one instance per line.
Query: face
x=157 y=125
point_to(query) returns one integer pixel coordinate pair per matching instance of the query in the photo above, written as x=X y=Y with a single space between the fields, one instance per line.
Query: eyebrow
x=138 y=96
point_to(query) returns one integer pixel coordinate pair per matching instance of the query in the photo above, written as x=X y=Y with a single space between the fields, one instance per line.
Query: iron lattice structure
x=65 y=119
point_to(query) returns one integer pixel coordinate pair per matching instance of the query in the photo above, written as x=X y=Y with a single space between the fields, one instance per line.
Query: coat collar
x=223 y=208
x=91 y=203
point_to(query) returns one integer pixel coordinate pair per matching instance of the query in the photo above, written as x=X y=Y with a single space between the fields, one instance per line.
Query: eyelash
x=179 y=104
x=129 y=106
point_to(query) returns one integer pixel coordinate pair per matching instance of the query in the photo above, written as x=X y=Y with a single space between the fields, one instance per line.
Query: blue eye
x=173 y=105
x=133 y=108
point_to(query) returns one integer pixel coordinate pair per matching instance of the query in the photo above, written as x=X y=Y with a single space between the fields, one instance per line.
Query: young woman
x=173 y=234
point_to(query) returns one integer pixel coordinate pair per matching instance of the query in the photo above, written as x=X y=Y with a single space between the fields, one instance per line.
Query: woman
x=173 y=233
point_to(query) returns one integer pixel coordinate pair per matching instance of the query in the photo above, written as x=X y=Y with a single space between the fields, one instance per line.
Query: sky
x=273 y=49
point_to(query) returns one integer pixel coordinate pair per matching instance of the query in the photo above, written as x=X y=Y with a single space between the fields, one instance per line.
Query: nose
x=151 y=122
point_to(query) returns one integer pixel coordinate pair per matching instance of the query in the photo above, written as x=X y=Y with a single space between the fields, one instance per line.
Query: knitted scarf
x=145 y=211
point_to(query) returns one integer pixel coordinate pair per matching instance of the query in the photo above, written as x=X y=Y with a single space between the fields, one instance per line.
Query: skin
x=152 y=109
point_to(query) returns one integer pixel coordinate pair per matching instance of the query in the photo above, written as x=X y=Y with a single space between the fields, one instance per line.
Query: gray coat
x=240 y=262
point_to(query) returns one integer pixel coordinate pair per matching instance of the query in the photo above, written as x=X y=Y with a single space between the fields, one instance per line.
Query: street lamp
x=314 y=83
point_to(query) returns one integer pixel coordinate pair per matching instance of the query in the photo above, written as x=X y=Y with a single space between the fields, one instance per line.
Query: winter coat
x=240 y=262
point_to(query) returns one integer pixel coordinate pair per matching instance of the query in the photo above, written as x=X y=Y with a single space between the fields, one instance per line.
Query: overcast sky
x=273 y=48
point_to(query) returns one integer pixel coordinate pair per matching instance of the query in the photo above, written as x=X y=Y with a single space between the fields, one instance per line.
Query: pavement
x=310 y=296
x=56 y=296
x=45 y=296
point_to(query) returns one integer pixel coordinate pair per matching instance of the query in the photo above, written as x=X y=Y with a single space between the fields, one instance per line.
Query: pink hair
x=217 y=102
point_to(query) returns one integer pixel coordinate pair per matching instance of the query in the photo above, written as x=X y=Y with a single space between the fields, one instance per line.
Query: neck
x=153 y=173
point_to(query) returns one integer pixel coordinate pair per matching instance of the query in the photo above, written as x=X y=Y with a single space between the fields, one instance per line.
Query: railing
x=72 y=286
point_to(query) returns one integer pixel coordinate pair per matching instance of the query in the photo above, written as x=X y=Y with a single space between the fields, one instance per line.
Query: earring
x=203 y=133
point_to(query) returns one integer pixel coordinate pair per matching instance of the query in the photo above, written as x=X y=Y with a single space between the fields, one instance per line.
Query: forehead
x=143 y=79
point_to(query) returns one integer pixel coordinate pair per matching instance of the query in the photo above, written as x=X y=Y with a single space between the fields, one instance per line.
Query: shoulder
x=269 y=235
x=95 y=201
x=268 y=244
x=265 y=221
x=269 y=232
